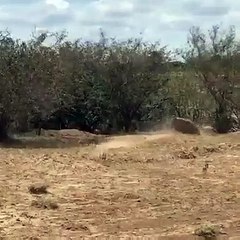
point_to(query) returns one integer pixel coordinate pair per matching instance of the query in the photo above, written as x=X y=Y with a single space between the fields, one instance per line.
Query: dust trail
x=128 y=141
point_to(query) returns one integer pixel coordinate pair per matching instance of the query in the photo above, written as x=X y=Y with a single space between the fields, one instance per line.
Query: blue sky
x=164 y=20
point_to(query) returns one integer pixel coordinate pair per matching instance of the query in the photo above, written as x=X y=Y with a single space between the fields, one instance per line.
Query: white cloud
x=59 y=4
x=40 y=30
x=165 y=20
x=107 y=6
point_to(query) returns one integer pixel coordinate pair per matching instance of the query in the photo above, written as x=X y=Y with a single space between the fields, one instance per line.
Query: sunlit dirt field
x=152 y=186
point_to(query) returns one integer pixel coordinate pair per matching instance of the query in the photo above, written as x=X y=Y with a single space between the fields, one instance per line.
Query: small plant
x=208 y=232
x=205 y=168
x=103 y=156
x=186 y=154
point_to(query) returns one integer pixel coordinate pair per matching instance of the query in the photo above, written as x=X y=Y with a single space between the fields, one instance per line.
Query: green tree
x=28 y=83
x=214 y=57
x=135 y=73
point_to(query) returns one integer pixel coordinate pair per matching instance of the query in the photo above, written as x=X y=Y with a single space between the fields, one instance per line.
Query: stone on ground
x=184 y=125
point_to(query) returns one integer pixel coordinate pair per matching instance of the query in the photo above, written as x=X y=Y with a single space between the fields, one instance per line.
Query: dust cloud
x=129 y=141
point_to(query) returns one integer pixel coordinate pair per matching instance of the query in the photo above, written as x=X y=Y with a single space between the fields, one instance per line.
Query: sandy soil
x=150 y=186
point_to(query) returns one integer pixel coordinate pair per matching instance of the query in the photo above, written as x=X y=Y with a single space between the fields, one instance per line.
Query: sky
x=167 y=21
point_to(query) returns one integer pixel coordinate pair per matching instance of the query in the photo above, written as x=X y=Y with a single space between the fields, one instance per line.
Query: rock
x=38 y=188
x=184 y=125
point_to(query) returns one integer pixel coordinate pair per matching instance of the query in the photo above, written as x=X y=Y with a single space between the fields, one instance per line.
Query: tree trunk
x=3 y=134
x=39 y=130
x=223 y=122
x=3 y=128
x=38 y=127
x=127 y=125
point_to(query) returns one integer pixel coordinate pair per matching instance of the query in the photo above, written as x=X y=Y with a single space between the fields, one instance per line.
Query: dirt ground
x=153 y=186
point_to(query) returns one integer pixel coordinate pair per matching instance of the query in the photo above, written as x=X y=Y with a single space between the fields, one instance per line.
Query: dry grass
x=150 y=186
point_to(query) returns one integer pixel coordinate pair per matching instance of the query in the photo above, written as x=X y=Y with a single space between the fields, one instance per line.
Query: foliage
x=111 y=85
x=215 y=59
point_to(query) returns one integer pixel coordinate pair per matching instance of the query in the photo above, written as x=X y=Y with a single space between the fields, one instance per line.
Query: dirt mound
x=184 y=125
x=65 y=133
x=72 y=132
x=75 y=135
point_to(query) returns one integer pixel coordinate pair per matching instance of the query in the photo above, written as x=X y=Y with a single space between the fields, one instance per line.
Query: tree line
x=112 y=85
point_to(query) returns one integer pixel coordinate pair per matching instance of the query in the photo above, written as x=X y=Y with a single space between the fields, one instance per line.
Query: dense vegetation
x=112 y=85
